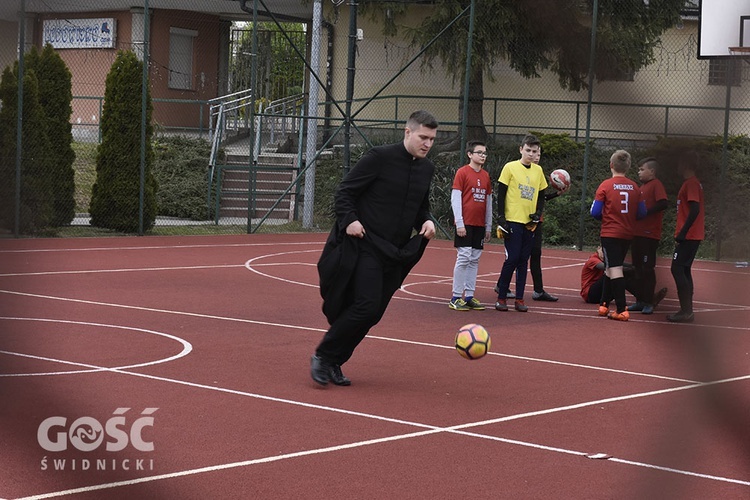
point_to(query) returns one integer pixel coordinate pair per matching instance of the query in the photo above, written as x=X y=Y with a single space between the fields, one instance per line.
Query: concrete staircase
x=272 y=176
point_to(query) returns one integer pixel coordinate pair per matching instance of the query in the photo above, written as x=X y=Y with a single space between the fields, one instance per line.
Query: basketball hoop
x=740 y=52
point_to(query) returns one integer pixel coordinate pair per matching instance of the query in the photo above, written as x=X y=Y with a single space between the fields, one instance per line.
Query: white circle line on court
x=249 y=267
x=436 y=279
x=186 y=348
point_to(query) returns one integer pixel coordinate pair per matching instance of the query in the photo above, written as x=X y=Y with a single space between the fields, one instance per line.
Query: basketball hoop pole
x=724 y=154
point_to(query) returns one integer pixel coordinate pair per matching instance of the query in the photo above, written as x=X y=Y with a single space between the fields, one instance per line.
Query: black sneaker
x=544 y=296
x=681 y=317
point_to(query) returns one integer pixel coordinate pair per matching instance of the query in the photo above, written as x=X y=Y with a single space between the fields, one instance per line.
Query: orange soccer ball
x=473 y=341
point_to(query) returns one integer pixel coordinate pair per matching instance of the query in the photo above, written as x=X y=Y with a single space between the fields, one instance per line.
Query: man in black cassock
x=371 y=250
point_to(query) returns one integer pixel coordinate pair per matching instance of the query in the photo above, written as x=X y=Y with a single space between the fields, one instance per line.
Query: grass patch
x=85 y=174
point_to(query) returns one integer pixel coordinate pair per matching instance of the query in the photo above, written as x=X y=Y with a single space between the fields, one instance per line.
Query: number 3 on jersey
x=625 y=197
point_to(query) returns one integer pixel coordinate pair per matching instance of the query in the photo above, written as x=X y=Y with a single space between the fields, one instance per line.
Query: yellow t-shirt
x=524 y=185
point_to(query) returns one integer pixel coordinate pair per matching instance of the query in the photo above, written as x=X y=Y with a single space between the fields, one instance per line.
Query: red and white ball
x=560 y=179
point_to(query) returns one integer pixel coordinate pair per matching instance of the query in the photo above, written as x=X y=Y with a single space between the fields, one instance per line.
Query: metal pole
x=19 y=118
x=724 y=155
x=467 y=75
x=350 y=83
x=253 y=92
x=144 y=108
x=592 y=62
x=312 y=122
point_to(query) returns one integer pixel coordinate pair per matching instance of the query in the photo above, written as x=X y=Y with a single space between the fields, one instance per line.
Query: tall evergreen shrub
x=115 y=194
x=55 y=97
x=36 y=165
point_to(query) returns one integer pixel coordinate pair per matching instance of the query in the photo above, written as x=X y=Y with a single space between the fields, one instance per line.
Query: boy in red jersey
x=688 y=234
x=471 y=201
x=617 y=204
x=647 y=236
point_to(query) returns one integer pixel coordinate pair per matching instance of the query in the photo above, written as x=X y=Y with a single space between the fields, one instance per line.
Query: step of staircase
x=273 y=176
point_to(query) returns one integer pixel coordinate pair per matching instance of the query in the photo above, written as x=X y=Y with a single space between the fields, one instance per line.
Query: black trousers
x=518 y=245
x=682 y=262
x=370 y=290
x=536 y=260
x=643 y=251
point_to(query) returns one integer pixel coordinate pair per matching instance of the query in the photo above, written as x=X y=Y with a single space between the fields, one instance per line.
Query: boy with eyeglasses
x=471 y=201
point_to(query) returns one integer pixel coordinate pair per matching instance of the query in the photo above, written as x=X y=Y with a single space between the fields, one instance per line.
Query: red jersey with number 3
x=620 y=197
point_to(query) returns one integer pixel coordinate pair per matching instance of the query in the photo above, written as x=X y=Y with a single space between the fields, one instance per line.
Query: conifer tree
x=36 y=194
x=55 y=97
x=115 y=195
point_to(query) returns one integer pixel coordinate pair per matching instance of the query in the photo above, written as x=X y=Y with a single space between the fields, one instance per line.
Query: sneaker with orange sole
x=621 y=316
x=603 y=310
x=520 y=306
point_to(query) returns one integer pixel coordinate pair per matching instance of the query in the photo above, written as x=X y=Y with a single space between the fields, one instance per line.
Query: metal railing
x=230 y=116
x=282 y=116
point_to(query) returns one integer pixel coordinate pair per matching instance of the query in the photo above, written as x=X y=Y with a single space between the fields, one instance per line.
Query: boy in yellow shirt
x=520 y=203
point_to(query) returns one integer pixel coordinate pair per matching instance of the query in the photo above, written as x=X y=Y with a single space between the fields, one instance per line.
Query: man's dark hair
x=421 y=117
x=472 y=144
x=531 y=140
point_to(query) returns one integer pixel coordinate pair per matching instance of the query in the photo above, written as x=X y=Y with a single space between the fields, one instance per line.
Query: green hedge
x=181 y=170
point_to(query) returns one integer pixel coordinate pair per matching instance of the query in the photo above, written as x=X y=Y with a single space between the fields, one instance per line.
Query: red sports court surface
x=178 y=368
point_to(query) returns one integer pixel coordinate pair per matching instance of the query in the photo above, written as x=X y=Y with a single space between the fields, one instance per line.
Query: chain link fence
x=251 y=125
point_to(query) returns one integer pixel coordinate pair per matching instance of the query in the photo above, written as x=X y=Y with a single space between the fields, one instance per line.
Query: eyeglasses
x=480 y=153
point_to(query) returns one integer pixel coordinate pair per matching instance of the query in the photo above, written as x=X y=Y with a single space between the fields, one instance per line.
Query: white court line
x=162 y=247
x=122 y=270
x=430 y=429
x=311 y=329
x=187 y=347
x=171 y=268
x=590 y=314
x=540 y=360
x=151 y=309
x=404 y=288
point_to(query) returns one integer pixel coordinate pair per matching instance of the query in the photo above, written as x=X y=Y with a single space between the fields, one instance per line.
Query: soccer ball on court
x=560 y=179
x=473 y=341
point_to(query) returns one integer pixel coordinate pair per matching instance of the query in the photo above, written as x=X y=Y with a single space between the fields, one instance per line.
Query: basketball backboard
x=722 y=24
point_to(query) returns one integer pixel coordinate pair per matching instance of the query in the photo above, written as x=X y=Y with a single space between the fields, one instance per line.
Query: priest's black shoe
x=337 y=376
x=320 y=370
